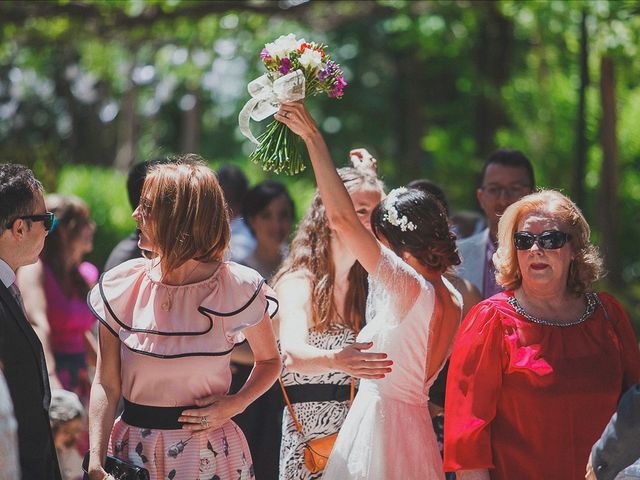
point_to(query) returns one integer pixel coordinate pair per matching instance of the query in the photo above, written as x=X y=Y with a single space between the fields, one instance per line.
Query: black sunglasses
x=549 y=240
x=48 y=219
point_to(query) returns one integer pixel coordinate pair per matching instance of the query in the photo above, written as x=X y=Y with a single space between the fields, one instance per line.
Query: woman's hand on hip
x=216 y=411
x=357 y=363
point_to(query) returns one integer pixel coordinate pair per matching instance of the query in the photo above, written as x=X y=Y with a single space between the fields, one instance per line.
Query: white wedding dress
x=388 y=432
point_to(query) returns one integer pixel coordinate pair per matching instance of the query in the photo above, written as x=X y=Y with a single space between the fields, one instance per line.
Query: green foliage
x=105 y=192
x=434 y=87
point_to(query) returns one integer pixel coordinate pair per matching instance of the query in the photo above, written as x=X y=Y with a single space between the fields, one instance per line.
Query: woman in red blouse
x=538 y=369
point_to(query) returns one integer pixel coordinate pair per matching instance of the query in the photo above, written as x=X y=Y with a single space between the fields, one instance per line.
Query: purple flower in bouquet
x=285 y=66
x=264 y=54
x=328 y=72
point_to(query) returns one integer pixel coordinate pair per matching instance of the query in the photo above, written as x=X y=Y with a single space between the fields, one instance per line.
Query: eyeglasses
x=512 y=191
x=548 y=240
x=48 y=219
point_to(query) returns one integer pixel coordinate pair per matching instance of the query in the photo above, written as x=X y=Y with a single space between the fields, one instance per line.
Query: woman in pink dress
x=538 y=369
x=168 y=327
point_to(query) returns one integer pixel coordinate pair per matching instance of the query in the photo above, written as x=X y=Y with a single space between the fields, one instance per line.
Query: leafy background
x=88 y=88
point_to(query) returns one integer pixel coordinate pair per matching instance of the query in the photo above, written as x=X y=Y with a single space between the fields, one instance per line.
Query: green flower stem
x=279 y=150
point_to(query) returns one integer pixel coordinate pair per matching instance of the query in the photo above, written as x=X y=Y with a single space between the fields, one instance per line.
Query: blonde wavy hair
x=586 y=267
x=186 y=212
x=311 y=252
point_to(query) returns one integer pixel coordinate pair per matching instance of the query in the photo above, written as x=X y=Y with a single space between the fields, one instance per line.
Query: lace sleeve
x=394 y=287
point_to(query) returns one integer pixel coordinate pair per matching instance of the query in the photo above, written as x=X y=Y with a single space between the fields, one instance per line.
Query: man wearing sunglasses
x=506 y=177
x=24 y=223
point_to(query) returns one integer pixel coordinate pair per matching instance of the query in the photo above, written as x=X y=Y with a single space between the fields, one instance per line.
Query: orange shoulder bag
x=317 y=450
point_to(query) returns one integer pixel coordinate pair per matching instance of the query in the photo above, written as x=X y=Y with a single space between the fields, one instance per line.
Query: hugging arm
x=294 y=292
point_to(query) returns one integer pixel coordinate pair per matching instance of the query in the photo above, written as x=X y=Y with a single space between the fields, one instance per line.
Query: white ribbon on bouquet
x=266 y=97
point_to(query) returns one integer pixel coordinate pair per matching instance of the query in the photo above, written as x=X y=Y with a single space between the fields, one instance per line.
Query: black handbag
x=119 y=469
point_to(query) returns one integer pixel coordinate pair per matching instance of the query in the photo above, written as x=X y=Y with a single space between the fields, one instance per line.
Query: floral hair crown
x=392 y=216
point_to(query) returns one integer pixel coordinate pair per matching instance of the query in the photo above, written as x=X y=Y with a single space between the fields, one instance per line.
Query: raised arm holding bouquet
x=295 y=69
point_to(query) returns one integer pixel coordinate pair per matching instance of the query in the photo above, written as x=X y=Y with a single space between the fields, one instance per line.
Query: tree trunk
x=127 y=131
x=410 y=120
x=493 y=54
x=581 y=129
x=608 y=195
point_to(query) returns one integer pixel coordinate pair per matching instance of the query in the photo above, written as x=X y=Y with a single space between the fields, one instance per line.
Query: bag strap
x=352 y=391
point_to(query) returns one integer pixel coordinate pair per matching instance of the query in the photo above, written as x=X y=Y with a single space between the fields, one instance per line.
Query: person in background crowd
x=58 y=285
x=434 y=189
x=506 y=177
x=9 y=458
x=167 y=327
x=467 y=223
x=323 y=290
x=68 y=427
x=234 y=185
x=619 y=445
x=268 y=211
x=24 y=224
x=537 y=370
x=128 y=248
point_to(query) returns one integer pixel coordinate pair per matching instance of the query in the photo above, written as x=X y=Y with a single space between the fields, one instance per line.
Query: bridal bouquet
x=295 y=70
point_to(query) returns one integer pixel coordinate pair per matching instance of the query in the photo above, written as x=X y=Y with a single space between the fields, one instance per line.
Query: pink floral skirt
x=221 y=454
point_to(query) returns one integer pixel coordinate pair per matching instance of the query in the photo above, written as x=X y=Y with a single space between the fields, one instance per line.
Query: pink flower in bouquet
x=338 y=89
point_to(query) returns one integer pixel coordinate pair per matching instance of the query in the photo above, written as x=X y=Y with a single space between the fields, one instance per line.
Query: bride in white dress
x=412 y=315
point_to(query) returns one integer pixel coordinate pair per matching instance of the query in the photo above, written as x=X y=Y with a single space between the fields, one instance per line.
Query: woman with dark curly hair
x=412 y=315
x=324 y=290
x=537 y=370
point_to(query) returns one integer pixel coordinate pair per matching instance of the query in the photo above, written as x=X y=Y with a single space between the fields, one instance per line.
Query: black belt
x=318 y=392
x=146 y=416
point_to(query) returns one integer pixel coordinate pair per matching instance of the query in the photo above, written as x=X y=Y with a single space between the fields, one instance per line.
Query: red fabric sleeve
x=473 y=389
x=629 y=343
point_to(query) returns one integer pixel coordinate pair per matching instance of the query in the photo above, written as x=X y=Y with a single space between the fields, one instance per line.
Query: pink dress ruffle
x=176 y=346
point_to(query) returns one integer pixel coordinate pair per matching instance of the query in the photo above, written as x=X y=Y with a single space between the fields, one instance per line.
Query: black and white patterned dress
x=318 y=419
